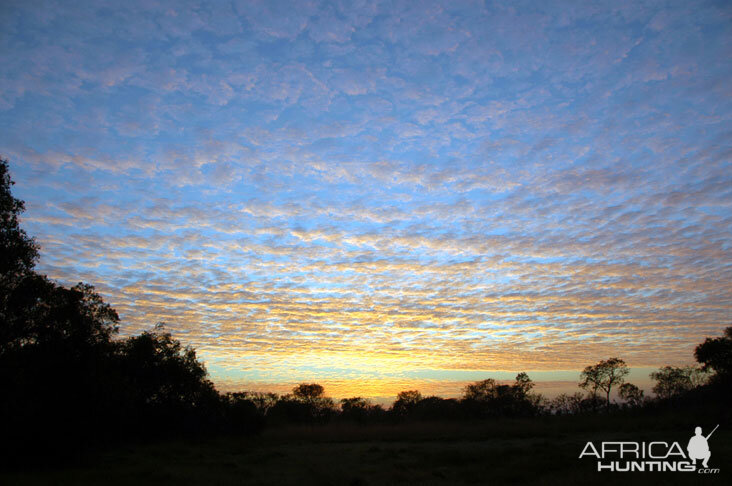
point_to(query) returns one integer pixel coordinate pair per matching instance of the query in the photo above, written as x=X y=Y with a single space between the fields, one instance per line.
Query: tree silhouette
x=356 y=407
x=64 y=376
x=163 y=373
x=480 y=390
x=406 y=402
x=716 y=355
x=308 y=392
x=360 y=409
x=18 y=252
x=18 y=284
x=55 y=345
x=242 y=413
x=523 y=384
x=632 y=395
x=264 y=401
x=672 y=381
x=40 y=313
x=307 y=403
x=56 y=363
x=565 y=404
x=604 y=376
x=487 y=397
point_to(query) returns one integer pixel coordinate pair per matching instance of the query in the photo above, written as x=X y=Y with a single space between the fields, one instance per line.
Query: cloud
x=355 y=191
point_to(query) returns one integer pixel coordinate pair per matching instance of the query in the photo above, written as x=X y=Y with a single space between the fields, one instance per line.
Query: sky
x=379 y=196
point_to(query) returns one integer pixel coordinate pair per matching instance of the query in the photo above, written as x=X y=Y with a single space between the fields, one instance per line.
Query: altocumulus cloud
x=355 y=191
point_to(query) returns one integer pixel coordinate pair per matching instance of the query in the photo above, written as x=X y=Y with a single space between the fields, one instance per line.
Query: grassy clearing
x=541 y=451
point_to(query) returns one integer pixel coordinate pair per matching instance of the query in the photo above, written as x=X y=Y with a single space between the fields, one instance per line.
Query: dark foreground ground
x=538 y=451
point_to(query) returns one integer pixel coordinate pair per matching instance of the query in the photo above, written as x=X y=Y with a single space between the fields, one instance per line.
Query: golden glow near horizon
x=383 y=198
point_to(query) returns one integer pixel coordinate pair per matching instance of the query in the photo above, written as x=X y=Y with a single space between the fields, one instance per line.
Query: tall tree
x=716 y=355
x=63 y=376
x=18 y=251
x=523 y=385
x=604 y=376
x=18 y=255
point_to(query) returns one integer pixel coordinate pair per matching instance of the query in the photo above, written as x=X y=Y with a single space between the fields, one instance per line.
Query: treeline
x=308 y=404
x=675 y=388
x=69 y=381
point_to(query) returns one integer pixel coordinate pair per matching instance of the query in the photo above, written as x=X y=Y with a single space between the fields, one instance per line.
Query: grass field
x=538 y=451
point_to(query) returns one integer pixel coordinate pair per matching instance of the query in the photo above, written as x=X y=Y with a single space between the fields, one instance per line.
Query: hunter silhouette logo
x=698 y=447
x=657 y=456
